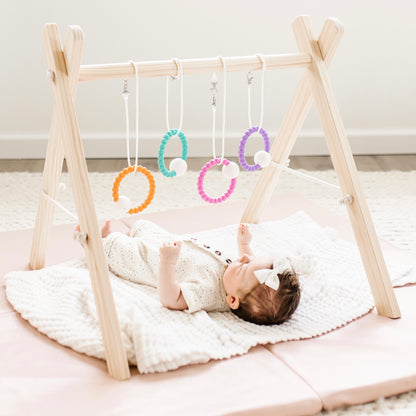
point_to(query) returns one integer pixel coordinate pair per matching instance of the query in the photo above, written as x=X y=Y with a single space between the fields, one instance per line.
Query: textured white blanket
x=58 y=301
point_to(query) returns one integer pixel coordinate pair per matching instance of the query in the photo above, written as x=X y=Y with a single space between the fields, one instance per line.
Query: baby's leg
x=131 y=259
x=150 y=232
x=105 y=230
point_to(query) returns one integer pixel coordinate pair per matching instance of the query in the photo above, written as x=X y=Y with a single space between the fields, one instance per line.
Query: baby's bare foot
x=106 y=230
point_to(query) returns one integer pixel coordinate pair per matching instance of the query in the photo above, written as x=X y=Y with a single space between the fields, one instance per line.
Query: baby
x=192 y=275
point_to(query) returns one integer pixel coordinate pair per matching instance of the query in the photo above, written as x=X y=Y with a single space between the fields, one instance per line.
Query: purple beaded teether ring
x=241 y=155
x=261 y=158
x=201 y=177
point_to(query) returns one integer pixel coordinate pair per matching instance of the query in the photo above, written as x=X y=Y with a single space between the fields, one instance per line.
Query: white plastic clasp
x=346 y=200
x=281 y=165
x=80 y=237
x=50 y=76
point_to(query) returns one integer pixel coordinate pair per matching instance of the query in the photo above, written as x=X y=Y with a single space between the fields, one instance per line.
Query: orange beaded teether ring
x=152 y=187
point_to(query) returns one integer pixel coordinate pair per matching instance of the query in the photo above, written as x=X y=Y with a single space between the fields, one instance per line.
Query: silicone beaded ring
x=243 y=142
x=161 y=156
x=201 y=177
x=152 y=187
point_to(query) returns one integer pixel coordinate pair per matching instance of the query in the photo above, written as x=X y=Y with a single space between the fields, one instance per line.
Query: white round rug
x=391 y=197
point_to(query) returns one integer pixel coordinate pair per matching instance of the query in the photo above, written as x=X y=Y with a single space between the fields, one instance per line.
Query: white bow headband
x=270 y=277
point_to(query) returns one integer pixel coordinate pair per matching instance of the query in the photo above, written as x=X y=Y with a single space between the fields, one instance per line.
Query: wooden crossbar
x=191 y=66
x=314 y=55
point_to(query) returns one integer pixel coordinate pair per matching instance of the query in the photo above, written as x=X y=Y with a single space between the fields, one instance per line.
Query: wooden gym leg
x=52 y=170
x=69 y=131
x=343 y=161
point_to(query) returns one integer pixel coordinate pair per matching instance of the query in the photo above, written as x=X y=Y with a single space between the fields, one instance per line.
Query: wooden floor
x=364 y=163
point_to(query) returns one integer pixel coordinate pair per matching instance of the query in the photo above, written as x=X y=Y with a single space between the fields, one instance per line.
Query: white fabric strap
x=136 y=72
x=305 y=176
x=263 y=72
x=126 y=106
x=224 y=66
x=180 y=77
x=125 y=95
x=54 y=201
x=214 y=112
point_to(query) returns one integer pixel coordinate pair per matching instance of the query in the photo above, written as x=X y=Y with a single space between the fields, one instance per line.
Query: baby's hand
x=169 y=252
x=243 y=234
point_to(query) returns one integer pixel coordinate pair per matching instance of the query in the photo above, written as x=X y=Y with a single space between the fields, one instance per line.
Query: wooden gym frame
x=314 y=54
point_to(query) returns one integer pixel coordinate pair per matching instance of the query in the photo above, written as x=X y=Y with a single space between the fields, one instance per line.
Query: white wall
x=373 y=72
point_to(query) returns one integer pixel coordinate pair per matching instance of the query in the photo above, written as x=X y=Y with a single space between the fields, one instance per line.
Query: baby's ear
x=233 y=301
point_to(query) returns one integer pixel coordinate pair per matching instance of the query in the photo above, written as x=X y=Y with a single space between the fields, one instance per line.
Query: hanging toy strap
x=136 y=72
x=262 y=157
x=229 y=169
x=250 y=77
x=125 y=95
x=263 y=73
x=177 y=166
x=123 y=201
x=213 y=88
x=180 y=77
x=224 y=67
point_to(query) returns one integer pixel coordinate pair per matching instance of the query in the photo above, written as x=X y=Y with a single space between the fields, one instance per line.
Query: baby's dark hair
x=266 y=306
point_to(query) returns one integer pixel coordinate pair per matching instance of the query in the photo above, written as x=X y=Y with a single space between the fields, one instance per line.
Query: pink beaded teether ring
x=229 y=169
x=201 y=177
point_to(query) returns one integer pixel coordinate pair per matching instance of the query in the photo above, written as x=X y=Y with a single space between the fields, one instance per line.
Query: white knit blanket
x=58 y=301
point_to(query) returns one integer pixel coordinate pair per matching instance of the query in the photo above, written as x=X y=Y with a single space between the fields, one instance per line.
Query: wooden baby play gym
x=315 y=54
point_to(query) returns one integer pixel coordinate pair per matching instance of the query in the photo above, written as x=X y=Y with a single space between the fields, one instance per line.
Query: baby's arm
x=243 y=240
x=170 y=293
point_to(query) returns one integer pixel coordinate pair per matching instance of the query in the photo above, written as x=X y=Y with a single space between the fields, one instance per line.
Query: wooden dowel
x=191 y=66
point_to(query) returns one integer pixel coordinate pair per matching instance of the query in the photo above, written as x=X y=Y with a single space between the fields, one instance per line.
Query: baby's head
x=259 y=303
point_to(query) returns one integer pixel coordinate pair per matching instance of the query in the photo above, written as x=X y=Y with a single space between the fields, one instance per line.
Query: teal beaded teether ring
x=177 y=166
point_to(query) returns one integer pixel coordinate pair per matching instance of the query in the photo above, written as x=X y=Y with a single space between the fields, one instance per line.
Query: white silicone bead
x=123 y=203
x=262 y=158
x=61 y=186
x=178 y=165
x=50 y=76
x=231 y=170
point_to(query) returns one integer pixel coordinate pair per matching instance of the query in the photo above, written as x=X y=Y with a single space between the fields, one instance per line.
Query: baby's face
x=239 y=279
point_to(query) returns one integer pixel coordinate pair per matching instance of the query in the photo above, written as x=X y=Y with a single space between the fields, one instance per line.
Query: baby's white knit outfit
x=199 y=269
